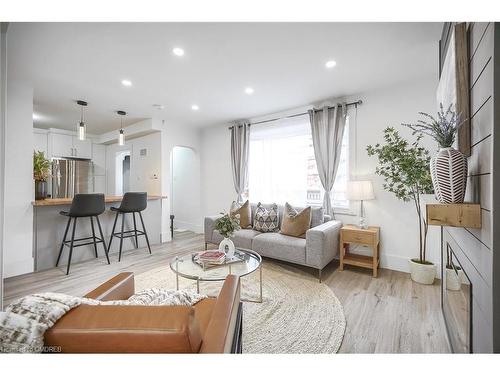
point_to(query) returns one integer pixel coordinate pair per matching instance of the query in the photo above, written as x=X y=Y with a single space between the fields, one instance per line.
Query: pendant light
x=81 y=124
x=121 y=136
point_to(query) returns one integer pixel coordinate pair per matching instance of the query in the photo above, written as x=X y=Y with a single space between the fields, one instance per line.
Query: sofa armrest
x=120 y=287
x=218 y=337
x=210 y=227
x=322 y=243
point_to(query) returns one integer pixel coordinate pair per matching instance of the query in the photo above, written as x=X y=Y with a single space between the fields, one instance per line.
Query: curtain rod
x=356 y=103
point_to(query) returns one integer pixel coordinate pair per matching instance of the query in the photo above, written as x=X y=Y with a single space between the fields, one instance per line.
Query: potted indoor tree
x=226 y=225
x=405 y=169
x=41 y=172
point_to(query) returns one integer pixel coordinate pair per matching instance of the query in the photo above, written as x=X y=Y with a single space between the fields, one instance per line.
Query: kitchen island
x=49 y=226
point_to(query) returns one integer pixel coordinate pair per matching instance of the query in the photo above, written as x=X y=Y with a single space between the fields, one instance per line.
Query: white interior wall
x=185 y=191
x=144 y=170
x=3 y=105
x=19 y=191
x=383 y=107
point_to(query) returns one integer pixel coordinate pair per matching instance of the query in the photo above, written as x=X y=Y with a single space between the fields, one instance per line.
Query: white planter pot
x=227 y=246
x=449 y=175
x=422 y=273
x=453 y=280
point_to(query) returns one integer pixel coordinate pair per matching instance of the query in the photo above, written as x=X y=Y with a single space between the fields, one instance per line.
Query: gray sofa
x=318 y=249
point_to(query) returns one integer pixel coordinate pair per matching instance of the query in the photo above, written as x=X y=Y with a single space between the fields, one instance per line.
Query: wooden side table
x=351 y=234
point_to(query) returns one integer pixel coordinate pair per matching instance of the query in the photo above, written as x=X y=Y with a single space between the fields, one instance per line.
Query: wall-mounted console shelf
x=466 y=215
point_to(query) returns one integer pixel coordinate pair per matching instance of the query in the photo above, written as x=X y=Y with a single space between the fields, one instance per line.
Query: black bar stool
x=84 y=205
x=131 y=203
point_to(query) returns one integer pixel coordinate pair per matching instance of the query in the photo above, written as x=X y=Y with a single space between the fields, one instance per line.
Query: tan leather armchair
x=213 y=325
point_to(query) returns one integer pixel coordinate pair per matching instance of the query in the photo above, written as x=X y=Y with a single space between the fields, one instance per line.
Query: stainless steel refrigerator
x=70 y=177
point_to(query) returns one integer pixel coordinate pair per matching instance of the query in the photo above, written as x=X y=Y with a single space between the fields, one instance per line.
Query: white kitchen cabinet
x=65 y=145
x=99 y=159
x=61 y=145
x=99 y=184
x=82 y=149
x=40 y=142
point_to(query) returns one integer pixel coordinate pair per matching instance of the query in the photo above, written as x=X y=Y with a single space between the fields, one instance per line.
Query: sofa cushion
x=126 y=329
x=317 y=213
x=317 y=216
x=266 y=219
x=242 y=238
x=244 y=211
x=295 y=223
x=280 y=246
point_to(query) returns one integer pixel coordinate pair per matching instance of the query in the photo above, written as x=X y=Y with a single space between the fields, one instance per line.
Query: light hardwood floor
x=388 y=314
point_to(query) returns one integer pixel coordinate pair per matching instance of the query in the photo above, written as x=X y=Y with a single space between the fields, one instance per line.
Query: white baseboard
x=196 y=228
x=391 y=261
x=19 y=267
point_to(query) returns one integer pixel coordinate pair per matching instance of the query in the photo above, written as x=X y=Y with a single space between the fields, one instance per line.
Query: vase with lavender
x=449 y=166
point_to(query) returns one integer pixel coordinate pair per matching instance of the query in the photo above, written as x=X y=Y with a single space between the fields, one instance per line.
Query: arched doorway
x=185 y=189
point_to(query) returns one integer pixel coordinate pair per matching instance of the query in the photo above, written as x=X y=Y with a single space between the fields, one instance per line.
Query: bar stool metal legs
x=102 y=237
x=145 y=233
x=135 y=230
x=122 y=233
x=73 y=242
x=63 y=241
x=93 y=236
x=132 y=203
x=71 y=246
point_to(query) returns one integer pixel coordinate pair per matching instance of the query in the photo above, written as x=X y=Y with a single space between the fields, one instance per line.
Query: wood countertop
x=67 y=201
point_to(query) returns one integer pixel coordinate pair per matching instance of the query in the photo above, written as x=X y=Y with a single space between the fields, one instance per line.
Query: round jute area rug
x=297 y=315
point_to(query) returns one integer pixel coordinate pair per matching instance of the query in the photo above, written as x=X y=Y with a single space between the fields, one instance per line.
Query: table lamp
x=360 y=191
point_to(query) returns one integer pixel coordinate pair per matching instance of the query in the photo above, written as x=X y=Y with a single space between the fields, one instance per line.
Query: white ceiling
x=283 y=62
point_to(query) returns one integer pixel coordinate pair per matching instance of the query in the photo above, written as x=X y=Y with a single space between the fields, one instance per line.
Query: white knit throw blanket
x=24 y=322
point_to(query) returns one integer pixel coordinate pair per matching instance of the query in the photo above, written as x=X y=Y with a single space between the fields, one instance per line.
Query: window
x=282 y=166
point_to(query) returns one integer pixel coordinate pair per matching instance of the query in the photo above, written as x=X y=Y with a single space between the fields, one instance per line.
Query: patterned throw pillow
x=266 y=219
x=245 y=213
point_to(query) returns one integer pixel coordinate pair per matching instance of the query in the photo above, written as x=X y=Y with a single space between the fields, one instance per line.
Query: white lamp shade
x=360 y=190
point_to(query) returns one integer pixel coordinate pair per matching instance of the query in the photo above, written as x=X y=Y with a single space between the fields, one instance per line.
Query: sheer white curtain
x=282 y=165
x=327 y=128
x=278 y=161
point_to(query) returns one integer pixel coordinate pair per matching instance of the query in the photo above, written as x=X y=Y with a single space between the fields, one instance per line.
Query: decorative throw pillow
x=245 y=213
x=295 y=223
x=266 y=219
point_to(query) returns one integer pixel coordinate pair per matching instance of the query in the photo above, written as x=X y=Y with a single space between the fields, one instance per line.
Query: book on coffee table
x=212 y=256
x=201 y=259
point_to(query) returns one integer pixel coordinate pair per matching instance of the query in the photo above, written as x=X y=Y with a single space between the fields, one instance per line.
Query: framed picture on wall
x=453 y=85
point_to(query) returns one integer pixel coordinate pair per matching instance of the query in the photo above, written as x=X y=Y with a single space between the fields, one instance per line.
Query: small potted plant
x=404 y=167
x=449 y=166
x=226 y=226
x=454 y=274
x=41 y=173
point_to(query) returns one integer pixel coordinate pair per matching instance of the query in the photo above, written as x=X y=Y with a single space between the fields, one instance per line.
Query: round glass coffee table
x=186 y=267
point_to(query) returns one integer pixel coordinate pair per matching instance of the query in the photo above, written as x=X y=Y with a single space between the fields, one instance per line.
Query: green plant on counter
x=227 y=224
x=41 y=166
x=405 y=169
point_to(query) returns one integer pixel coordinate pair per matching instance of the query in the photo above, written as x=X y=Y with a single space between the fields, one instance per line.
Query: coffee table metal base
x=244 y=300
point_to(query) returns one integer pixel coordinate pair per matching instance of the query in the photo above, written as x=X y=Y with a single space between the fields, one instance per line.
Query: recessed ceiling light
x=126 y=82
x=249 y=90
x=330 y=64
x=178 y=51
x=194 y=107
x=159 y=106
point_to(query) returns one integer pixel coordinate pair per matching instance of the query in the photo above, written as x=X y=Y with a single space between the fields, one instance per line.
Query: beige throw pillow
x=295 y=223
x=245 y=213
